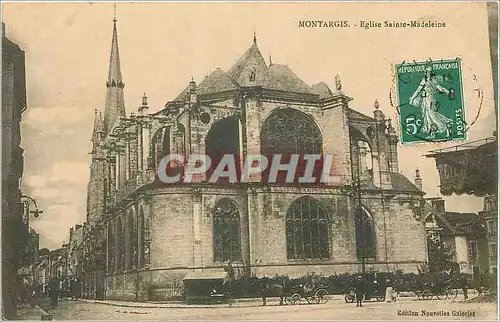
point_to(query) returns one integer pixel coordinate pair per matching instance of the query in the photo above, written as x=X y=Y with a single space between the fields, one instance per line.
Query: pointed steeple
x=98 y=131
x=115 y=106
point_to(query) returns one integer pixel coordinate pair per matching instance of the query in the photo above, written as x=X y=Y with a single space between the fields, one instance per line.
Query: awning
x=469 y=168
x=205 y=275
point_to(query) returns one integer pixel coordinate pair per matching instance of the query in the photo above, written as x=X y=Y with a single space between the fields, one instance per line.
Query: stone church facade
x=156 y=233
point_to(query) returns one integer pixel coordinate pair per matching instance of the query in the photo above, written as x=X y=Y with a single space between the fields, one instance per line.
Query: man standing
x=360 y=291
x=54 y=292
x=464 y=286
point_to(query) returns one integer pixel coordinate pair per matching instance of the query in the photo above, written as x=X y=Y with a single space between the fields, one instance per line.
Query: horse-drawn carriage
x=290 y=294
x=308 y=293
x=439 y=287
x=211 y=287
x=375 y=286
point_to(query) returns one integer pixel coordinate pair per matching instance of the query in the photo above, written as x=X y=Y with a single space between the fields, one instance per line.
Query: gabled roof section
x=217 y=81
x=282 y=78
x=183 y=95
x=322 y=90
x=398 y=180
x=353 y=114
x=251 y=63
x=402 y=183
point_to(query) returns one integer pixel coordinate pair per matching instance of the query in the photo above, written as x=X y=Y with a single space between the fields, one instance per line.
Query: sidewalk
x=243 y=302
x=32 y=313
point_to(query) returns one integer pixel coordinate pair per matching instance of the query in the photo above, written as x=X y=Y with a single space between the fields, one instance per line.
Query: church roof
x=398 y=180
x=402 y=183
x=251 y=70
x=322 y=90
x=183 y=95
x=217 y=81
x=251 y=60
x=282 y=78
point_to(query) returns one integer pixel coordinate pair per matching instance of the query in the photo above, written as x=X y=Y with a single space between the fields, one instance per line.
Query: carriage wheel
x=426 y=295
x=451 y=293
x=228 y=297
x=295 y=298
x=349 y=298
x=380 y=298
x=322 y=296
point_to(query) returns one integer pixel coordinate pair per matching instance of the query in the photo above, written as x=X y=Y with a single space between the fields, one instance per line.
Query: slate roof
x=276 y=77
x=217 y=81
x=399 y=183
x=353 y=114
x=251 y=60
x=322 y=90
x=282 y=78
x=453 y=222
x=402 y=183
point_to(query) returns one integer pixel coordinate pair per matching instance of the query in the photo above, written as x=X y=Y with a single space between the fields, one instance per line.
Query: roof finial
x=114 y=12
x=254 y=36
x=270 y=60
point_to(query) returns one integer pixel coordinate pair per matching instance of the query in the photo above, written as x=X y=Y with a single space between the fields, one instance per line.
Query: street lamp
x=25 y=199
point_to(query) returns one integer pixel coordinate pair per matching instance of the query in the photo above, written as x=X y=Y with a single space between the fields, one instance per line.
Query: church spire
x=115 y=106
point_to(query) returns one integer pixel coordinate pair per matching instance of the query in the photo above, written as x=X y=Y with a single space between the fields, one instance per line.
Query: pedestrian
x=388 y=291
x=360 y=291
x=54 y=293
x=464 y=286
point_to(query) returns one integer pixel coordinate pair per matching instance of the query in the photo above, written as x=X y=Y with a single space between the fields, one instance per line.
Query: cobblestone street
x=335 y=309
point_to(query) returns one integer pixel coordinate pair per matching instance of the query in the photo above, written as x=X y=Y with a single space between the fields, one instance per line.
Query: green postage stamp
x=430 y=101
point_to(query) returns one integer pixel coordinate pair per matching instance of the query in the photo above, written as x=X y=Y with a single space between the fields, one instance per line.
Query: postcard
x=249 y=160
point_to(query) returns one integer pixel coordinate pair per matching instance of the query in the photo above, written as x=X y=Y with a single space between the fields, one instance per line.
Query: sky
x=163 y=45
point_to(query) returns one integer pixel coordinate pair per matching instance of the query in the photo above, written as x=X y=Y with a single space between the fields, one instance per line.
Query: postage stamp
x=430 y=101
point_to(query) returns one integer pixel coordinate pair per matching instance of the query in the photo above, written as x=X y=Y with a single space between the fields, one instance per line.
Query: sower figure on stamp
x=360 y=291
x=424 y=97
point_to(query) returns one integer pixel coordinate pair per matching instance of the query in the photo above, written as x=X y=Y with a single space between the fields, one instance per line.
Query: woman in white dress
x=424 y=97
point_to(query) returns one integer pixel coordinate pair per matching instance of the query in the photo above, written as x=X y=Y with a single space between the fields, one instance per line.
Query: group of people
x=28 y=293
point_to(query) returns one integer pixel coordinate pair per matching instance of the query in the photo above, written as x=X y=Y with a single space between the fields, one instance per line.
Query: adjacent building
x=155 y=233
x=13 y=105
x=458 y=233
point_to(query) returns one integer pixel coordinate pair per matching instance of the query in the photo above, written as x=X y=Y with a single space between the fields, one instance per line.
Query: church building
x=157 y=233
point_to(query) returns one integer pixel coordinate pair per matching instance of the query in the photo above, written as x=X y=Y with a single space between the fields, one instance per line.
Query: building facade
x=13 y=105
x=156 y=232
x=458 y=232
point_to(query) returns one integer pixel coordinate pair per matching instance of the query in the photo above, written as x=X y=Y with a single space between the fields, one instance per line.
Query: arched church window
x=226 y=231
x=307 y=233
x=365 y=234
x=132 y=232
x=143 y=241
x=287 y=132
x=178 y=134
x=160 y=145
x=120 y=245
x=111 y=249
x=223 y=139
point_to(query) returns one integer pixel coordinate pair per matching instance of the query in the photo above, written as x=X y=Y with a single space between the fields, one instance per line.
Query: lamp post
x=26 y=200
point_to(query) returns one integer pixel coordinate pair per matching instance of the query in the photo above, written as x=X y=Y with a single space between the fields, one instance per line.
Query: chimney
x=70 y=233
x=418 y=180
x=438 y=205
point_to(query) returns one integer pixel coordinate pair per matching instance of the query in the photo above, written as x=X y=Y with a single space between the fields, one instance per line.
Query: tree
x=440 y=258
